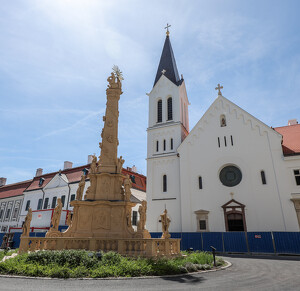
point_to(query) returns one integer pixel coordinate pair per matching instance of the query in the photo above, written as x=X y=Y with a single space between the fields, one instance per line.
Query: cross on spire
x=219 y=88
x=167 y=28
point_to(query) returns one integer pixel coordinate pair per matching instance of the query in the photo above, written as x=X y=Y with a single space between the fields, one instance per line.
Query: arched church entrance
x=234 y=214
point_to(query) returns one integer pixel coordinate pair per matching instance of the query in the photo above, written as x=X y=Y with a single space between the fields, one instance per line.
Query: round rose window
x=230 y=176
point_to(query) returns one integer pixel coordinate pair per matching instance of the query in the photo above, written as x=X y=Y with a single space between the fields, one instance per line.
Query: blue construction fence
x=224 y=242
x=239 y=242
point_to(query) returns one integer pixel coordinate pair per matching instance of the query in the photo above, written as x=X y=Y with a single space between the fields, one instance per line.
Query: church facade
x=231 y=172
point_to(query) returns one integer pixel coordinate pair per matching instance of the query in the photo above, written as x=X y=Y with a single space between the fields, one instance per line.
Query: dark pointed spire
x=167 y=64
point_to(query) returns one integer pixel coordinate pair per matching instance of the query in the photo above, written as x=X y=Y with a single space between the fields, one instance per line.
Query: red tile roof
x=291 y=139
x=74 y=175
x=12 y=190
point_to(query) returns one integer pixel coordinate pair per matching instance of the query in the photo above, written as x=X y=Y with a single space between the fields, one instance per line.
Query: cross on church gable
x=219 y=87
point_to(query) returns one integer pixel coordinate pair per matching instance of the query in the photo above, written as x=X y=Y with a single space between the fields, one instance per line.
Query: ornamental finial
x=167 y=28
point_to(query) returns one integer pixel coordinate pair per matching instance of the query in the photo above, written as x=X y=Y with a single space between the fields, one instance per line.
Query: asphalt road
x=246 y=273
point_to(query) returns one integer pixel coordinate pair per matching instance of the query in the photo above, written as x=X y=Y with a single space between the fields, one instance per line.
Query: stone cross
x=219 y=88
x=167 y=27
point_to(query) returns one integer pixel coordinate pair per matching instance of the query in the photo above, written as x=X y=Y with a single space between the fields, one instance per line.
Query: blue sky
x=55 y=57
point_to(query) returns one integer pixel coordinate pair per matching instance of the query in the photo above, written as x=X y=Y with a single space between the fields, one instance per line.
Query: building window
x=132 y=178
x=231 y=140
x=200 y=182
x=15 y=214
x=40 y=204
x=134 y=217
x=164 y=144
x=157 y=146
x=41 y=181
x=219 y=142
x=263 y=177
x=230 y=176
x=171 y=143
x=7 y=213
x=53 y=202
x=164 y=183
x=63 y=199
x=225 y=141
x=222 y=120
x=72 y=197
x=27 y=205
x=170 y=109
x=1 y=213
x=297 y=177
x=159 y=111
x=46 y=203
x=202 y=224
x=202 y=220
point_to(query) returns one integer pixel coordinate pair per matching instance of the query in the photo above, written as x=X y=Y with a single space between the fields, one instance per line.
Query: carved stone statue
x=142 y=212
x=94 y=165
x=127 y=186
x=69 y=219
x=80 y=189
x=56 y=215
x=128 y=217
x=120 y=163
x=26 y=225
x=165 y=223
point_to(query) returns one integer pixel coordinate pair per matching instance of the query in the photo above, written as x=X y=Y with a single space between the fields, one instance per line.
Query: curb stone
x=228 y=264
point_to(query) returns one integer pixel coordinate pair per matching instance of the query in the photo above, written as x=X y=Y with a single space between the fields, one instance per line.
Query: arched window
x=159 y=111
x=157 y=146
x=171 y=144
x=164 y=183
x=263 y=177
x=222 y=120
x=164 y=144
x=170 y=109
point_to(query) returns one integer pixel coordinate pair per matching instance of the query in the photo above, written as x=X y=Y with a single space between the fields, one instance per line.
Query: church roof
x=291 y=139
x=168 y=64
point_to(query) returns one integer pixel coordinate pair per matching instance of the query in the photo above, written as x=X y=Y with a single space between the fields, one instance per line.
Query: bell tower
x=168 y=125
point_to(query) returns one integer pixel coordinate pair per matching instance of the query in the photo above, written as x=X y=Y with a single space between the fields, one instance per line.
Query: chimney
x=68 y=165
x=90 y=159
x=134 y=169
x=39 y=172
x=2 y=181
x=292 y=122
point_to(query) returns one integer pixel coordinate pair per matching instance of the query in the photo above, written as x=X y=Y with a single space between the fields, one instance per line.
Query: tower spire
x=167 y=64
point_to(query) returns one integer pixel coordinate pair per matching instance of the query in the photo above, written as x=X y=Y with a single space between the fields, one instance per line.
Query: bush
x=81 y=263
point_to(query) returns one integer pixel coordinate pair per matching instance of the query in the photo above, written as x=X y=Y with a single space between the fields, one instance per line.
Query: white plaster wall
x=255 y=148
x=157 y=200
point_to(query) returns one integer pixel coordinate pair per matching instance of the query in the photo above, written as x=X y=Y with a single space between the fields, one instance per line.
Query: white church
x=231 y=172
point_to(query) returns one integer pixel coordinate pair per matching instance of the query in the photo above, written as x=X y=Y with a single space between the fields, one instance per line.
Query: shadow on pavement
x=187 y=279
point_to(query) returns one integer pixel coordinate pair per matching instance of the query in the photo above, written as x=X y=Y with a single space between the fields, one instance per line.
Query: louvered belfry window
x=159 y=111
x=170 y=109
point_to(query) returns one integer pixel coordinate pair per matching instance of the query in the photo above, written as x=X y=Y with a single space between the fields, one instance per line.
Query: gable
x=220 y=106
x=59 y=180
